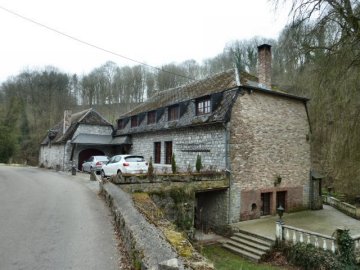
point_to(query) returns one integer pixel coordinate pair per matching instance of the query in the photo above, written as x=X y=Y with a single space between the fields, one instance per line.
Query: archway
x=86 y=154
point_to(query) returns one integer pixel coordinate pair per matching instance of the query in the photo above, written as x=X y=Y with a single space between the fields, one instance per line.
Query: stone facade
x=269 y=153
x=187 y=143
x=58 y=156
x=52 y=156
x=261 y=138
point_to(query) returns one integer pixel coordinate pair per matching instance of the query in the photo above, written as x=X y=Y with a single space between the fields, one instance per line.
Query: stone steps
x=248 y=245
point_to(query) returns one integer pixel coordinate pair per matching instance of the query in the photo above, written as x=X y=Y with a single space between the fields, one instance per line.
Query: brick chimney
x=264 y=65
x=67 y=120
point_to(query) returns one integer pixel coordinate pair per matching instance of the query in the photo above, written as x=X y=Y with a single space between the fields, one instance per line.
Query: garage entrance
x=86 y=154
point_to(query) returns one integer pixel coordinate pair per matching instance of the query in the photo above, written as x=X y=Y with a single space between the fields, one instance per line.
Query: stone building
x=237 y=123
x=76 y=138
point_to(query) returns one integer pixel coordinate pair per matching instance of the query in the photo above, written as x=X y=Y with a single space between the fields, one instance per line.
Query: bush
x=198 y=164
x=345 y=247
x=150 y=172
x=173 y=163
x=309 y=257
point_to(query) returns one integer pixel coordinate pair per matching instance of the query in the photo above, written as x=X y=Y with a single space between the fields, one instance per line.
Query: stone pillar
x=279 y=230
x=92 y=174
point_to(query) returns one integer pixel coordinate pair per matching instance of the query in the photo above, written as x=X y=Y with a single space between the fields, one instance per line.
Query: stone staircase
x=248 y=245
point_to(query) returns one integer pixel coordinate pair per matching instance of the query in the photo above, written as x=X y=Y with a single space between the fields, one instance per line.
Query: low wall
x=145 y=243
x=346 y=208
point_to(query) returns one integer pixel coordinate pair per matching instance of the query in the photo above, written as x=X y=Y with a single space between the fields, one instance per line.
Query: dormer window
x=120 y=124
x=134 y=121
x=151 y=117
x=203 y=106
x=173 y=113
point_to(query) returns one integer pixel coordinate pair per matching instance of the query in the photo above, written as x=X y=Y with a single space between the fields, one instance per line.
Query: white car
x=120 y=164
x=94 y=162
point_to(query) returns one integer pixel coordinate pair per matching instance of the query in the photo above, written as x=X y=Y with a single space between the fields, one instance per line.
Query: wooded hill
x=317 y=56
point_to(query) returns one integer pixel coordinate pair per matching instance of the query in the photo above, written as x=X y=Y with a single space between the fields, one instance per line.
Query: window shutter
x=126 y=121
x=183 y=107
x=159 y=113
x=141 y=118
x=216 y=100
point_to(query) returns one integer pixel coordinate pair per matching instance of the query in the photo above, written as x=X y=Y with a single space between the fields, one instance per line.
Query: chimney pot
x=264 y=65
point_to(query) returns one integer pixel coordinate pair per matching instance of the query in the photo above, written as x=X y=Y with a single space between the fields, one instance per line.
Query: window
x=135 y=159
x=168 y=152
x=203 y=106
x=121 y=124
x=151 y=117
x=173 y=113
x=157 y=152
x=134 y=121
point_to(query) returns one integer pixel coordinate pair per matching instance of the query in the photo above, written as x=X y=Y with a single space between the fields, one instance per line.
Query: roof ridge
x=88 y=111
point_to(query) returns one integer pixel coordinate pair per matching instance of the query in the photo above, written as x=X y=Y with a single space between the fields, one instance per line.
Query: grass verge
x=226 y=260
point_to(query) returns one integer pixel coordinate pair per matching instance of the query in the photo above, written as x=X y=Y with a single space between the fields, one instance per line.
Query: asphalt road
x=51 y=220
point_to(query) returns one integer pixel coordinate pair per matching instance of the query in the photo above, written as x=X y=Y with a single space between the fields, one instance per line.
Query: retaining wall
x=145 y=243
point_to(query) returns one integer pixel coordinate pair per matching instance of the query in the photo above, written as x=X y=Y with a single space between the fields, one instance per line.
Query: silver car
x=94 y=163
x=125 y=164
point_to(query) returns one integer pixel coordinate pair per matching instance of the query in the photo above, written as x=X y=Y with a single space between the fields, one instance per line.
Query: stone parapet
x=145 y=243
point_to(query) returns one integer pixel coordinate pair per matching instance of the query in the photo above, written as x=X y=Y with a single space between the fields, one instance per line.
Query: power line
x=90 y=44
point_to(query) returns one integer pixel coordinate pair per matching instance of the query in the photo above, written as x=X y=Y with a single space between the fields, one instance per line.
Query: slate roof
x=94 y=139
x=89 y=117
x=216 y=83
x=222 y=88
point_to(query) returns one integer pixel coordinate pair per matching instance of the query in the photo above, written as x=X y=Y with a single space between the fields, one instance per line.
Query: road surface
x=52 y=220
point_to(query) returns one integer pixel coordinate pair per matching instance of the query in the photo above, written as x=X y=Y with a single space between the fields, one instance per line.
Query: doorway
x=265 y=203
x=281 y=199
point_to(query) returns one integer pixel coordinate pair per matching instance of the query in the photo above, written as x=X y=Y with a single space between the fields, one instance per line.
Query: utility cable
x=90 y=44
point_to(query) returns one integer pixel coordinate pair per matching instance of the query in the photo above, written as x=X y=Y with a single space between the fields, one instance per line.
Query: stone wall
x=269 y=139
x=52 y=156
x=207 y=141
x=145 y=243
x=212 y=210
x=209 y=197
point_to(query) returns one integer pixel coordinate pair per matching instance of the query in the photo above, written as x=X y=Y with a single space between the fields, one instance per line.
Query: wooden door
x=281 y=199
x=265 y=203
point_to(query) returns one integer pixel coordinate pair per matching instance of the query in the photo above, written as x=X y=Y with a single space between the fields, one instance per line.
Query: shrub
x=173 y=163
x=345 y=247
x=198 y=164
x=309 y=257
x=189 y=169
x=150 y=172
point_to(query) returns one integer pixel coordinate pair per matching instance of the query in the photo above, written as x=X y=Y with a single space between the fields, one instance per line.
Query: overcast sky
x=152 y=31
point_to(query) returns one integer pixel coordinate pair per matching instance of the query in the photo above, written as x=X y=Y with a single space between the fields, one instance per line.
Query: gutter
x=271 y=92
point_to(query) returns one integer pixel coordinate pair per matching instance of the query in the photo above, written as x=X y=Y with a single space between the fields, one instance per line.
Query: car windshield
x=135 y=159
